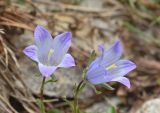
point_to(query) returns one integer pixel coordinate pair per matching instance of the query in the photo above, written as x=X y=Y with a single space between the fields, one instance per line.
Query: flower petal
x=42 y=36
x=98 y=75
x=123 y=68
x=61 y=44
x=43 y=41
x=95 y=63
x=101 y=48
x=111 y=55
x=46 y=70
x=31 y=51
x=68 y=61
x=123 y=80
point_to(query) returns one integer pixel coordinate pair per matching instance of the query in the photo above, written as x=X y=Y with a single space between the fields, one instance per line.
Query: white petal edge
x=123 y=80
x=68 y=61
x=123 y=68
x=111 y=55
x=46 y=71
x=31 y=52
x=61 y=44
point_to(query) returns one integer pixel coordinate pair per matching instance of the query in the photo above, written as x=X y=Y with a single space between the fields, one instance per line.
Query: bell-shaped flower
x=50 y=53
x=109 y=67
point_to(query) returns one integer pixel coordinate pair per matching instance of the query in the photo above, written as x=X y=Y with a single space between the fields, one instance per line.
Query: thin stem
x=41 y=94
x=42 y=89
x=76 y=96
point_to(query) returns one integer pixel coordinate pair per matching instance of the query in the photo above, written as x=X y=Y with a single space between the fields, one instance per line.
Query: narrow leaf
x=54 y=111
x=107 y=86
x=41 y=105
x=94 y=88
x=111 y=109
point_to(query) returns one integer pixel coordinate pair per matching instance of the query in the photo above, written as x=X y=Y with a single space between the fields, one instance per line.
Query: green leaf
x=53 y=79
x=92 y=56
x=41 y=105
x=94 y=88
x=84 y=71
x=158 y=82
x=78 y=110
x=111 y=109
x=82 y=87
x=107 y=86
x=70 y=103
x=21 y=2
x=156 y=20
x=37 y=75
x=142 y=34
x=54 y=111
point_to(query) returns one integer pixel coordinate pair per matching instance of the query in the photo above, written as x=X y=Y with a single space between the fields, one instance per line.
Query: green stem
x=42 y=88
x=41 y=94
x=76 y=96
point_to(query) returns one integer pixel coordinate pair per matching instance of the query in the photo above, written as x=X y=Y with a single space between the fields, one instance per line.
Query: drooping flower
x=50 y=53
x=109 y=67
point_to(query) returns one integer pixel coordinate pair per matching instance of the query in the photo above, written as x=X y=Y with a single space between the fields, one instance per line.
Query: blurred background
x=92 y=22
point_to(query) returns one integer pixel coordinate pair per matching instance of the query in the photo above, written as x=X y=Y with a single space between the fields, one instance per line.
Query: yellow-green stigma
x=111 y=67
x=51 y=52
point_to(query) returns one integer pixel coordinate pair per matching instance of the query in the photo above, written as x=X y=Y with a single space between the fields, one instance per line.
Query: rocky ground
x=92 y=22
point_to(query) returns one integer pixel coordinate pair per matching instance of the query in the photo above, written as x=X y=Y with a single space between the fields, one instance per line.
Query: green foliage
x=155 y=1
x=91 y=58
x=142 y=35
x=53 y=79
x=156 y=21
x=70 y=103
x=21 y=1
x=37 y=75
x=70 y=1
x=82 y=87
x=54 y=111
x=41 y=105
x=94 y=88
x=106 y=86
x=111 y=109
x=84 y=72
x=158 y=82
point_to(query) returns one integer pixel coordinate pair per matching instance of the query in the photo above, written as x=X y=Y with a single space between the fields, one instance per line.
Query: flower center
x=113 y=66
x=51 y=52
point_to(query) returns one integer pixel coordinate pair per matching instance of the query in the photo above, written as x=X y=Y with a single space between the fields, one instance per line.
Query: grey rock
x=151 y=106
x=63 y=87
x=93 y=4
x=101 y=107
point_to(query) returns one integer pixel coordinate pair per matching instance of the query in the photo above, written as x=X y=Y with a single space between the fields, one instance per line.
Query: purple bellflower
x=109 y=67
x=50 y=53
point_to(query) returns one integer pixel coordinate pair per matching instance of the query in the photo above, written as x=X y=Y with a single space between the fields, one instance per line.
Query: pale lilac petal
x=46 y=71
x=43 y=41
x=94 y=71
x=98 y=60
x=42 y=36
x=101 y=78
x=31 y=52
x=68 y=61
x=98 y=75
x=112 y=55
x=123 y=80
x=101 y=48
x=95 y=63
x=123 y=68
x=61 y=44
